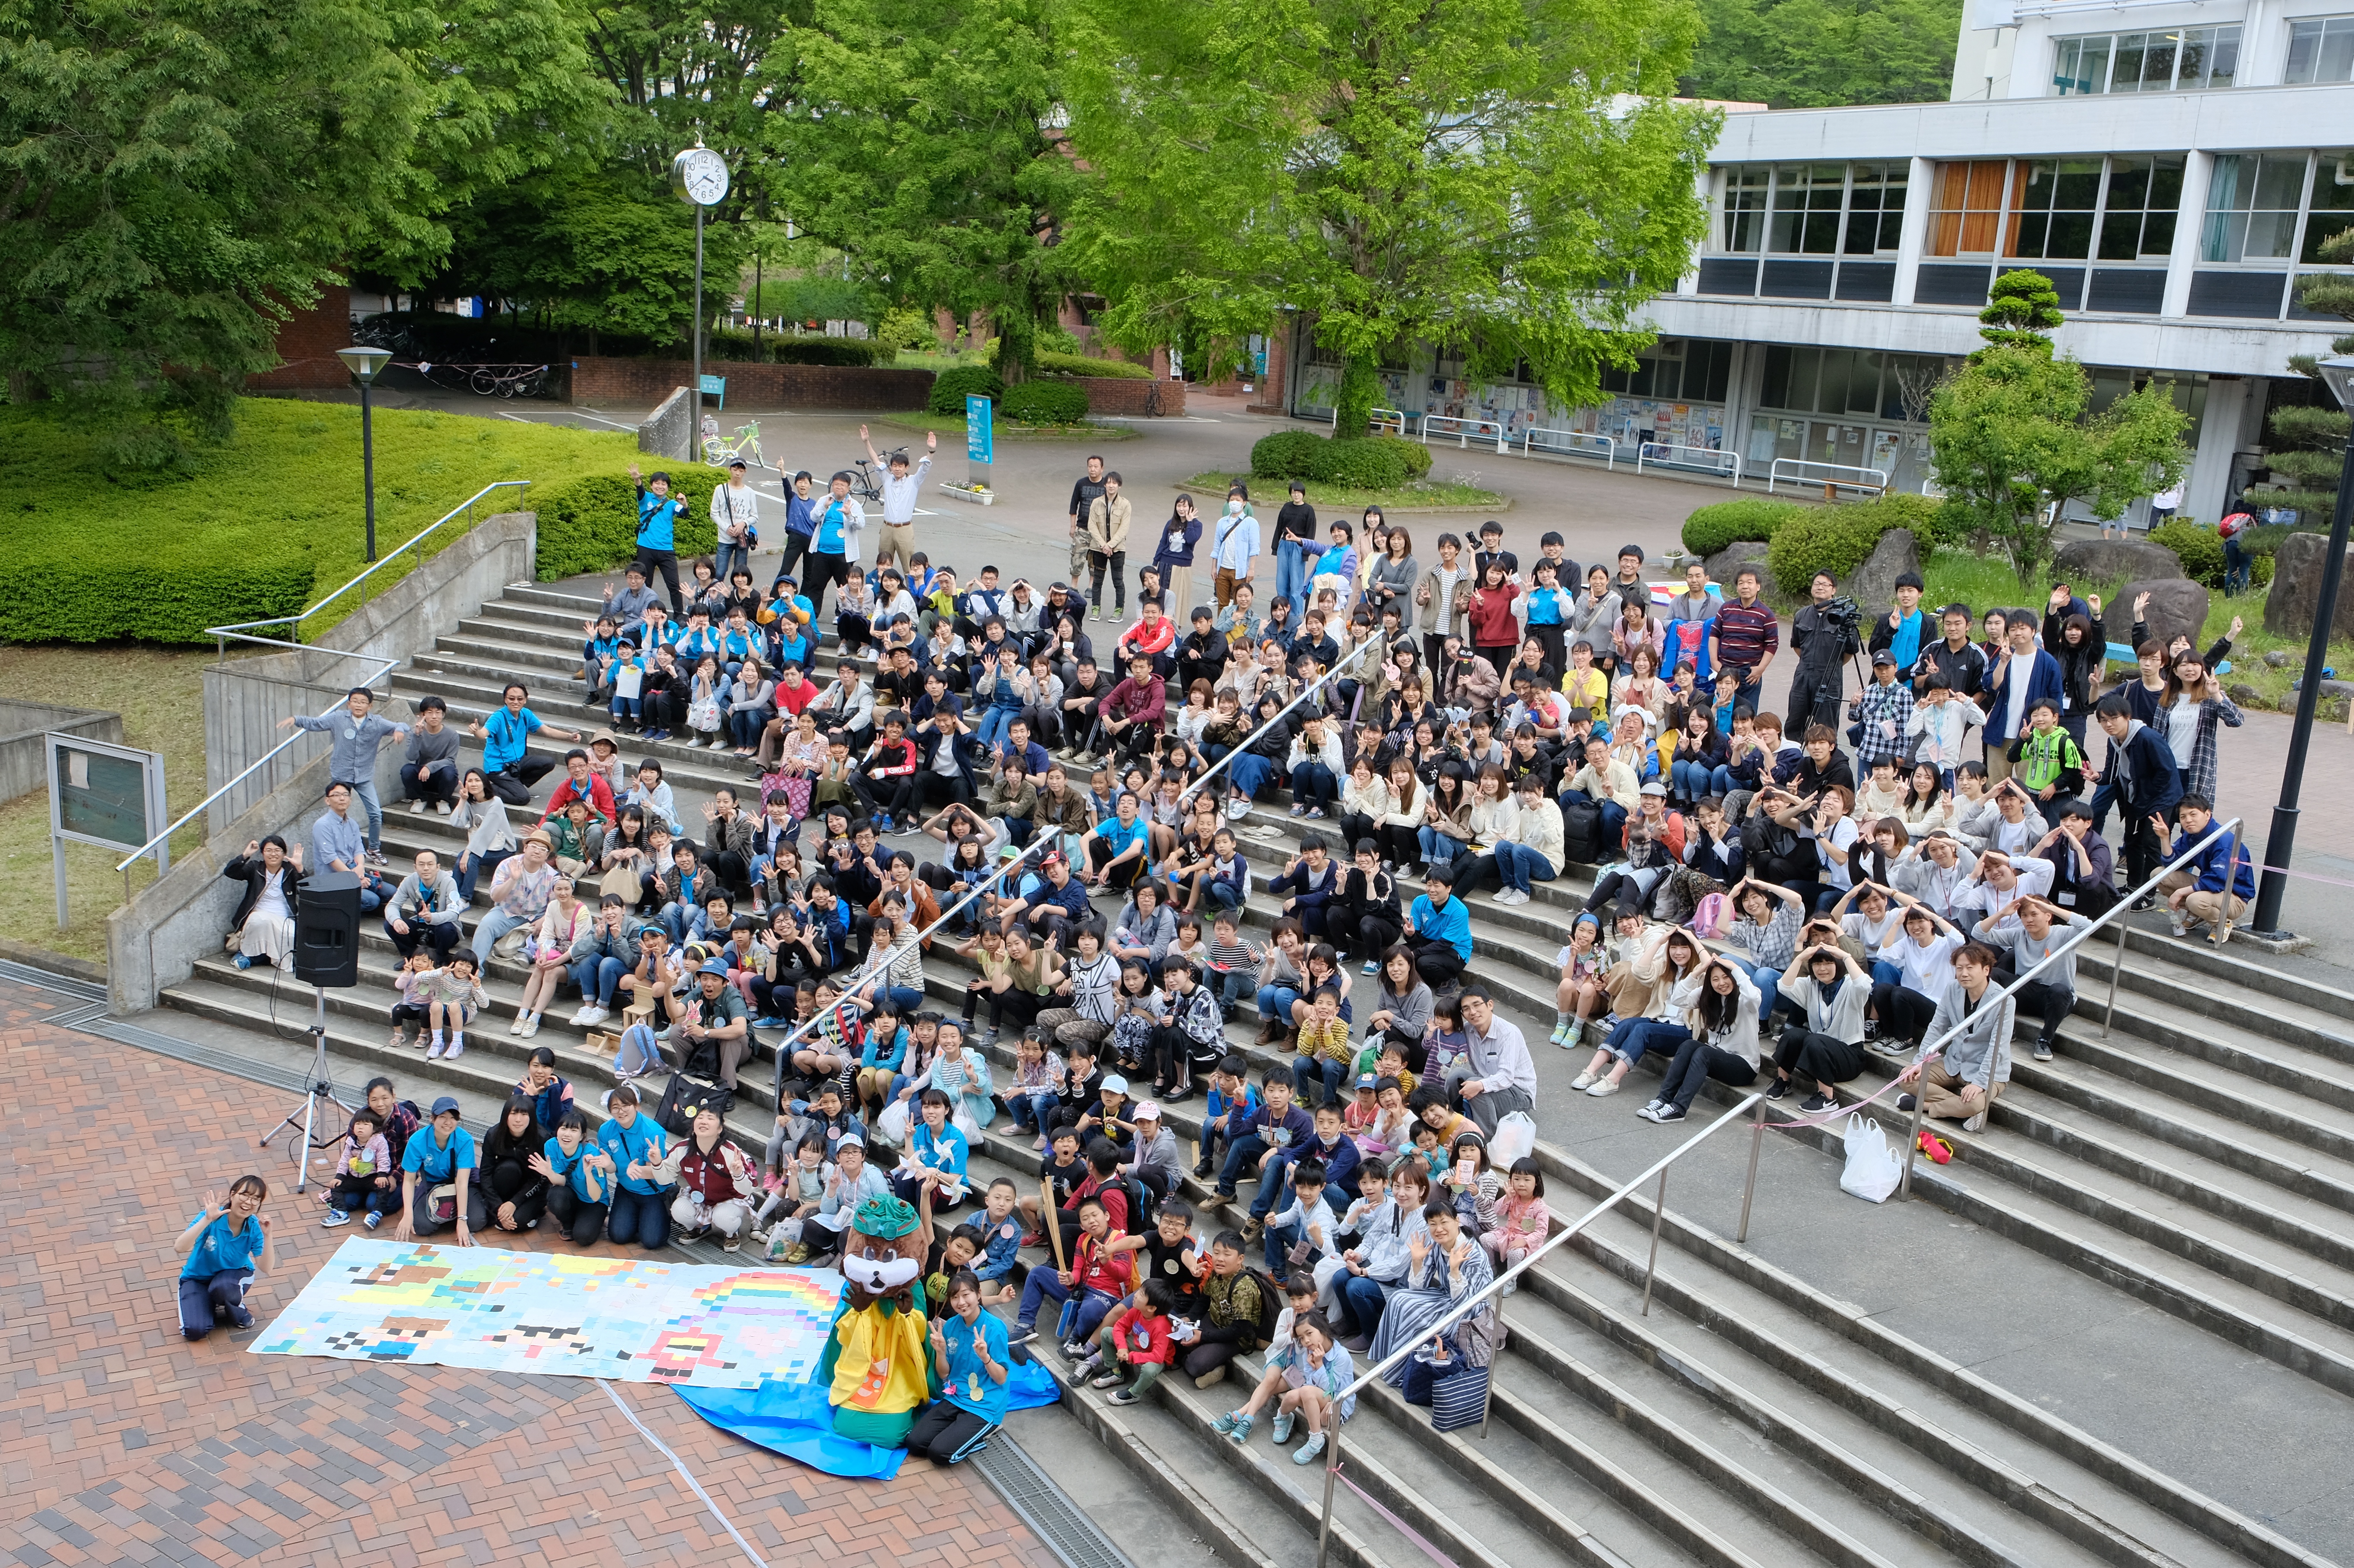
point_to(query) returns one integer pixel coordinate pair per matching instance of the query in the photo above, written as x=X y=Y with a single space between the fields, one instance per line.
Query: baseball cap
x=1655 y=788
x=1883 y=657
x=714 y=967
x=446 y=1105
x=1146 y=1110
x=1367 y=1081
x=1116 y=1084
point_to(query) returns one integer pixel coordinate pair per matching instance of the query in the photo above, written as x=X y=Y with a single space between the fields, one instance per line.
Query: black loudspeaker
x=327 y=930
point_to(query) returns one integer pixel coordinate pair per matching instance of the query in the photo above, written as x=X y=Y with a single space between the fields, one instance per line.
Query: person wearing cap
x=715 y=1018
x=1156 y=1162
x=1881 y=716
x=439 y=1154
x=519 y=894
x=428 y=766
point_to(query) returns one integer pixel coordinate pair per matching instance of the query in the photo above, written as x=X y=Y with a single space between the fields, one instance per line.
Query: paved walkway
x=120 y=1443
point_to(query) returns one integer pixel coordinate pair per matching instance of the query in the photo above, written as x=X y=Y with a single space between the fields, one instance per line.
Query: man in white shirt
x=735 y=514
x=900 y=490
x=1497 y=1076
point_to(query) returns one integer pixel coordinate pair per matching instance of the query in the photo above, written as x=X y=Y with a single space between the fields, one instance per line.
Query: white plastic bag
x=1516 y=1139
x=892 y=1125
x=1873 y=1169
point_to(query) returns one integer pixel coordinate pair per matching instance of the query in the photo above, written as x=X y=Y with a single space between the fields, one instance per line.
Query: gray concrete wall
x=154 y=940
x=669 y=431
x=245 y=698
x=24 y=764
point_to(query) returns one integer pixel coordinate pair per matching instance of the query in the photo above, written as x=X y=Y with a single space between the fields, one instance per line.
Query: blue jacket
x=2223 y=857
x=2044 y=683
x=1451 y=926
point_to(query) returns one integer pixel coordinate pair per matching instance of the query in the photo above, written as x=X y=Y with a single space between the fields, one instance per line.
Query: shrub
x=1834 y=539
x=831 y=351
x=66 y=592
x=951 y=388
x=1053 y=364
x=906 y=330
x=1287 y=454
x=1043 y=403
x=1724 y=523
x=2200 y=550
x=1418 y=456
x=589 y=524
x=1366 y=463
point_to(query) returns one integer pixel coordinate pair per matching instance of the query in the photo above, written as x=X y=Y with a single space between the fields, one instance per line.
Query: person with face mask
x=1234 y=545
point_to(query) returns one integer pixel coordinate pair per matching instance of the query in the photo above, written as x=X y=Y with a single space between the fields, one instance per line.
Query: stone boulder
x=2176 y=605
x=2296 y=593
x=1733 y=556
x=2111 y=561
x=1873 y=584
x=2247 y=696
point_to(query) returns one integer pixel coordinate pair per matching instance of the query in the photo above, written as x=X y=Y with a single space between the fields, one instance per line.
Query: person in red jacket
x=887 y=777
x=1154 y=636
x=1133 y=714
x=584 y=784
x=1133 y=1349
x=1495 y=628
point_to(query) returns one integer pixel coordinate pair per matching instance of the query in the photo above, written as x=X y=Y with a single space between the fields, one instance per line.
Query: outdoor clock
x=700 y=176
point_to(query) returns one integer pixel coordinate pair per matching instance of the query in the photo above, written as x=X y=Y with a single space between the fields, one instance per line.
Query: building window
x=2175 y=60
x=1875 y=208
x=2252 y=207
x=2137 y=219
x=1692 y=370
x=1812 y=209
x=1966 y=212
x=1742 y=208
x=2321 y=49
x=2330 y=211
x=1807 y=199
x=2053 y=204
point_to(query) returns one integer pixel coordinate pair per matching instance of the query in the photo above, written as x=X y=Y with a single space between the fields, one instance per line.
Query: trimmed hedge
x=68 y=592
x=1724 y=523
x=829 y=351
x=1838 y=539
x=1043 y=403
x=1287 y=454
x=951 y=388
x=1371 y=463
x=590 y=523
x=2200 y=551
x=1053 y=364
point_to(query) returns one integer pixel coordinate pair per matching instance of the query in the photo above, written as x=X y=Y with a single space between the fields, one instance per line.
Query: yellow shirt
x=1326 y=1040
x=1587 y=689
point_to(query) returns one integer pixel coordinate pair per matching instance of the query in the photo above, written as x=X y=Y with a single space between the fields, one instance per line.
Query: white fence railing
x=1569 y=443
x=1703 y=459
x=1464 y=430
x=1389 y=420
x=1805 y=471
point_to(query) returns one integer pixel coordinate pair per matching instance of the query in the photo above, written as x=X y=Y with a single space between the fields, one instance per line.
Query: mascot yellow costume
x=876 y=1367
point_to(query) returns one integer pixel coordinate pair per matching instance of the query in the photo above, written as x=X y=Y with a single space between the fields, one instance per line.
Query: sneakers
x=1582 y=1082
x=1821 y=1100
x=1649 y=1112
x=1780 y=1087
x=1215 y=1374
x=530 y=1026
x=2043 y=1051
x=2179 y=923
x=1668 y=1113
x=514 y=1025
x=1561 y=1034
x=334 y=1218
x=1108 y=1379
x=433 y=1052
x=1123 y=1396
x=1310 y=1449
x=373 y=1220
x=1280 y=1427
x=457 y=1048
x=1905 y=1103
x=243 y=961
x=1603 y=1086
x=1975 y=1123
x=417 y=807
x=442 y=807
x=1252 y=1228
x=590 y=1015
x=1373 y=965
x=1023 y=1334
x=1232 y=1422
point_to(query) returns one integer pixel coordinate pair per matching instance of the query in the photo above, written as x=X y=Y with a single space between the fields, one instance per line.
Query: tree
x=1502 y=177
x=2011 y=444
x=2020 y=309
x=924 y=140
x=1811 y=54
x=2316 y=434
x=175 y=178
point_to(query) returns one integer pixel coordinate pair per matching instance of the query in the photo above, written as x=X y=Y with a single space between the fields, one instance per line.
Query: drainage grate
x=1045 y=1506
x=25 y=974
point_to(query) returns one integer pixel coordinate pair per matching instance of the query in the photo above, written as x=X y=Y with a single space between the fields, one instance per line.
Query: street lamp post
x=364 y=364
x=2338 y=374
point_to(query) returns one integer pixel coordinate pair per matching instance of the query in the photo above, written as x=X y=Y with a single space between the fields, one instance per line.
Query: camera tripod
x=304 y=1117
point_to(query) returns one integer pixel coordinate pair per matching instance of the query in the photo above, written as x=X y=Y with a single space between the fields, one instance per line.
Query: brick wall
x=307 y=342
x=1125 y=394
x=642 y=383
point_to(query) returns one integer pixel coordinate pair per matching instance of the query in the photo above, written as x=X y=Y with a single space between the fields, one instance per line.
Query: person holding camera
x=1824 y=633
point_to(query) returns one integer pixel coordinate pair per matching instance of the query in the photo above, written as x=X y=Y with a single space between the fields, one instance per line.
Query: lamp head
x=364 y=364
x=2338 y=373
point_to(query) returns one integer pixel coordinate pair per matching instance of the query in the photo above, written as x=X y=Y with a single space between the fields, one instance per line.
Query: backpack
x=688 y=1097
x=1581 y=831
x=1270 y=1305
x=2235 y=523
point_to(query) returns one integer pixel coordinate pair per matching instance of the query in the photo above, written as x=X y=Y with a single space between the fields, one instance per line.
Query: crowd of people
x=1776 y=897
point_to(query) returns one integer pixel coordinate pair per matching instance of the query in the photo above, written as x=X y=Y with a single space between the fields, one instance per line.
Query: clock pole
x=694 y=432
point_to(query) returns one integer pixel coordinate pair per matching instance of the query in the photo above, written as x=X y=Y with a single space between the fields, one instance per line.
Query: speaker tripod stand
x=304 y=1117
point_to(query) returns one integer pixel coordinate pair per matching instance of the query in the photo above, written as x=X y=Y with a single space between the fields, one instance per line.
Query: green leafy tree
x=2011 y=442
x=175 y=178
x=923 y=139
x=592 y=247
x=1504 y=177
x=2314 y=453
x=2020 y=309
x=1811 y=54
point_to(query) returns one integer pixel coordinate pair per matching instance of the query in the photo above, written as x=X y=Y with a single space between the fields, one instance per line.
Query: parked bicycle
x=509 y=381
x=718 y=451
x=867 y=483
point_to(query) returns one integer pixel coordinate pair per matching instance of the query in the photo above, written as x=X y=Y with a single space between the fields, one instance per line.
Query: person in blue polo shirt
x=579 y=1177
x=440 y=1154
x=971 y=1359
x=658 y=515
x=506 y=734
x=227 y=1245
x=637 y=1146
x=1439 y=929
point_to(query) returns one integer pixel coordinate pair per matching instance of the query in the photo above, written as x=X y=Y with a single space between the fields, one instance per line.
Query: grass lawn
x=950 y=428
x=285 y=487
x=1987 y=582
x=1417 y=495
x=160 y=694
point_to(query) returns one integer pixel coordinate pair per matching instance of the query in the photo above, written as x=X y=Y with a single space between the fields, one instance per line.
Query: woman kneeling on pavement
x=717 y=1185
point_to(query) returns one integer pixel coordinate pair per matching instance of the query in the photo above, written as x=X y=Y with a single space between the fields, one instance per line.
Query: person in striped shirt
x=1744 y=639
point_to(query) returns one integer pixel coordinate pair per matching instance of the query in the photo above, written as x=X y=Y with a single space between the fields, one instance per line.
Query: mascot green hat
x=886 y=1219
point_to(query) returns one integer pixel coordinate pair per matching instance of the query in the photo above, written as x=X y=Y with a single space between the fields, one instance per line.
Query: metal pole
x=2282 y=839
x=1756 y=1143
x=1331 y=1470
x=1658 y=1213
x=695 y=429
x=58 y=864
x=367 y=468
x=1913 y=1127
x=2116 y=972
x=1488 y=1394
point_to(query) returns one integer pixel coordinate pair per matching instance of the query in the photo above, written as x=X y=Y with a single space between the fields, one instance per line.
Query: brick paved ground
x=120 y=1443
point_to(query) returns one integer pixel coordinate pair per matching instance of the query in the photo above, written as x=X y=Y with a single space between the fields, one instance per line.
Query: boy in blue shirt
x=441 y=1153
x=658 y=515
x=227 y=1245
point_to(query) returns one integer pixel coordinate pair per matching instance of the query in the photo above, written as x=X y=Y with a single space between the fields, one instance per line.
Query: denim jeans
x=1275 y=1002
x=1291 y=577
x=1033 y=1113
x=1634 y=1036
x=364 y=791
x=994 y=723
x=1312 y=784
x=596 y=977
x=1250 y=772
x=1362 y=1298
x=640 y=1217
x=1518 y=865
x=1242 y=1155
x=727 y=557
x=496 y=924
x=484 y=867
x=1233 y=986
x=1307 y=1070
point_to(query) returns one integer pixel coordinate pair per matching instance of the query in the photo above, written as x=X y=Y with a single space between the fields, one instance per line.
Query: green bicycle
x=720 y=452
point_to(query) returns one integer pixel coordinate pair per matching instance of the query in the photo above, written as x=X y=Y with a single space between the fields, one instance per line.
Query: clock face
x=701 y=175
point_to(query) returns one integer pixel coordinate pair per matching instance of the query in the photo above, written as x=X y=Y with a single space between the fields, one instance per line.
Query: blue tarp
x=794 y=1420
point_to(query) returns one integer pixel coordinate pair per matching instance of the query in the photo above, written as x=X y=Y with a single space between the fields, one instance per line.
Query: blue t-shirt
x=657 y=519
x=641 y=1142
x=1545 y=606
x=832 y=516
x=967 y=1386
x=436 y=1163
x=508 y=733
x=1451 y=925
x=1120 y=836
x=944 y=1151
x=574 y=1168
x=223 y=1246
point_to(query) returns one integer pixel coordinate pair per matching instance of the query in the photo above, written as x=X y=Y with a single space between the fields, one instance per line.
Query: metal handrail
x=1465 y=428
x=1709 y=458
x=242 y=632
x=1306 y=691
x=1658 y=1168
x=2076 y=939
x=1877 y=480
x=1609 y=453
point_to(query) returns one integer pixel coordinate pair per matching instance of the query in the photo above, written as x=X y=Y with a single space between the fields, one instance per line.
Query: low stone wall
x=669 y=430
x=1125 y=394
x=600 y=383
x=24 y=766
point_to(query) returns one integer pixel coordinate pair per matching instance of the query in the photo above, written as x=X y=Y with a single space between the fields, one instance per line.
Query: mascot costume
x=877 y=1366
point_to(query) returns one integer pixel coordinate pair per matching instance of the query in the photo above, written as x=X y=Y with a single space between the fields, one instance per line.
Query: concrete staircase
x=1778 y=1404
